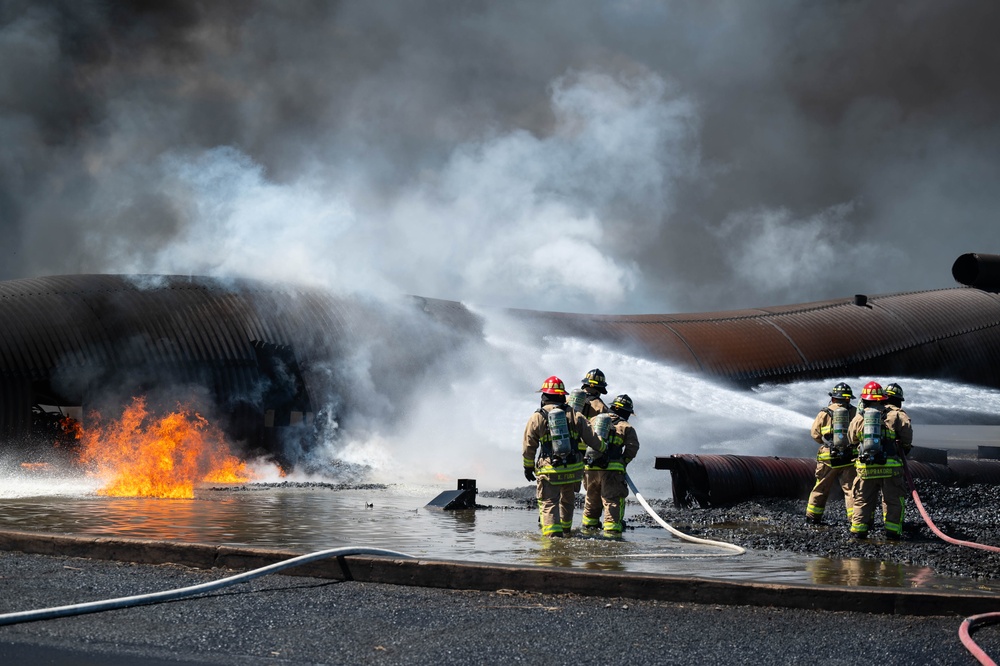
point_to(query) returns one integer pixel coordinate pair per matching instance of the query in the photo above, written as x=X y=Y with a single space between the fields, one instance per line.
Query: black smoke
x=572 y=155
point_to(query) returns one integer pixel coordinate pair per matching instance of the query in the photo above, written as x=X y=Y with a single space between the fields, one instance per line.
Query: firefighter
x=557 y=436
x=835 y=458
x=884 y=435
x=604 y=475
x=594 y=385
x=894 y=396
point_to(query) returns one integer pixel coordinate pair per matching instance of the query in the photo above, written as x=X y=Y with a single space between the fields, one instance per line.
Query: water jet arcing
x=279 y=367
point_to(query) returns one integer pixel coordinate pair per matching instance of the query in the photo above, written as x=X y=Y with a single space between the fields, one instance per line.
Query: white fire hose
x=733 y=548
x=181 y=592
x=178 y=593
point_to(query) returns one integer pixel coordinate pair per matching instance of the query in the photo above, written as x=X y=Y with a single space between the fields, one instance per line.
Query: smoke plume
x=585 y=156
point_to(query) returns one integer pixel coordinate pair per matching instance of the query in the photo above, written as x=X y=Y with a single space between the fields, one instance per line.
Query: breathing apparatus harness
x=841 y=451
x=557 y=443
x=604 y=427
x=871 y=450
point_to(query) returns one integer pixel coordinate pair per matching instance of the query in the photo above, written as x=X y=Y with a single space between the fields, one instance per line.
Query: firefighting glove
x=529 y=474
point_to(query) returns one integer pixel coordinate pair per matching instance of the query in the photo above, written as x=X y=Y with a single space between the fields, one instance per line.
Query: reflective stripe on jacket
x=536 y=449
x=822 y=433
x=623 y=446
x=897 y=439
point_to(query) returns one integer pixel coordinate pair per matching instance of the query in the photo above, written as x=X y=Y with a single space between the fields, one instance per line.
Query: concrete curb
x=525 y=578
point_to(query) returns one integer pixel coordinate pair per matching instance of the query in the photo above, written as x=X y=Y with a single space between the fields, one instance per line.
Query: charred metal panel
x=975 y=471
x=254 y=347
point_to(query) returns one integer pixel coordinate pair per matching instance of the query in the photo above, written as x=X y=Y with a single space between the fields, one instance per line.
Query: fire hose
x=178 y=593
x=733 y=548
x=970 y=623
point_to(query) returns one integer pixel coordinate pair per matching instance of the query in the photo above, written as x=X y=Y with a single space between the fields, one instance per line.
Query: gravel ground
x=289 y=620
x=969 y=513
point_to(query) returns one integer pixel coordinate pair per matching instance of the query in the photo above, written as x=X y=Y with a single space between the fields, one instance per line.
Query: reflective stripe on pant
x=606 y=493
x=826 y=478
x=866 y=493
x=555 y=506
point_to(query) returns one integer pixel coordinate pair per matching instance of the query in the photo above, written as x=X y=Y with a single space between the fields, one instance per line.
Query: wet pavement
x=285 y=620
x=313 y=516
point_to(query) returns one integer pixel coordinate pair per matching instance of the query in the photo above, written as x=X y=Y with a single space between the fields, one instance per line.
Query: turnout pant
x=555 y=505
x=826 y=478
x=866 y=492
x=606 y=493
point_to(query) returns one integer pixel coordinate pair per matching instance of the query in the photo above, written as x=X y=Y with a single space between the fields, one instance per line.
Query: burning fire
x=142 y=456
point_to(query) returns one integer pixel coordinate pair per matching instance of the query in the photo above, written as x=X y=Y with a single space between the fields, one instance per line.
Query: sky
x=571 y=155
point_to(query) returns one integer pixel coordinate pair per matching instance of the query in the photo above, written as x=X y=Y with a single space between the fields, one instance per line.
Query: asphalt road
x=281 y=619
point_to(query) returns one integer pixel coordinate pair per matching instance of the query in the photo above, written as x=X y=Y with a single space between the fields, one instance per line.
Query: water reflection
x=313 y=518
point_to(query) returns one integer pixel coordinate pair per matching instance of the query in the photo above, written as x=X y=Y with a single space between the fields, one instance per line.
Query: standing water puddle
x=306 y=518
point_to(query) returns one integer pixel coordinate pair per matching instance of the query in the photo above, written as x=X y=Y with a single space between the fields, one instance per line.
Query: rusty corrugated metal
x=718 y=480
x=203 y=330
x=975 y=471
x=947 y=333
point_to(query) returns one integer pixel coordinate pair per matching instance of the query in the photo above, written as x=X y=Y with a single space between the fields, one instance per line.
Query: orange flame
x=140 y=456
x=71 y=428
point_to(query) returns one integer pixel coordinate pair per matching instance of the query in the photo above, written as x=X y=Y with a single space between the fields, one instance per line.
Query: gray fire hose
x=178 y=593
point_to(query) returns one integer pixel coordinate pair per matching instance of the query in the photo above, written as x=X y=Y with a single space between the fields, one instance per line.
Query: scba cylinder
x=577 y=399
x=841 y=421
x=601 y=424
x=559 y=430
x=871 y=436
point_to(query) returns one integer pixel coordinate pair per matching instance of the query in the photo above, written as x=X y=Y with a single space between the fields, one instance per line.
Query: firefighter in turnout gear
x=894 y=395
x=835 y=458
x=604 y=474
x=594 y=385
x=555 y=439
x=884 y=435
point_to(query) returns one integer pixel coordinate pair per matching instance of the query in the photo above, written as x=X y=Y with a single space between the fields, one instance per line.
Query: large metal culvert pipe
x=720 y=480
x=981 y=271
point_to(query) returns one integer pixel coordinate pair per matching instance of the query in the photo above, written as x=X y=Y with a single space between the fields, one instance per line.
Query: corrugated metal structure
x=719 y=480
x=261 y=353
x=267 y=355
x=948 y=333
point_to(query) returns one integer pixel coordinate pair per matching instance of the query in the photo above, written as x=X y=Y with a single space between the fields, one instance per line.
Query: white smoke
x=510 y=218
x=822 y=247
x=579 y=156
x=477 y=155
x=470 y=424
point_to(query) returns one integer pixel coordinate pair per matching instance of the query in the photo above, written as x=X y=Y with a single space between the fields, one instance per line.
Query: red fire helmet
x=553 y=386
x=873 y=392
